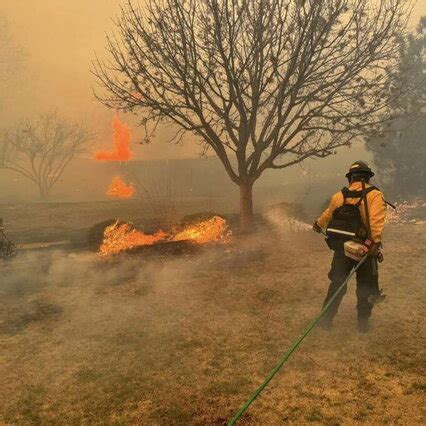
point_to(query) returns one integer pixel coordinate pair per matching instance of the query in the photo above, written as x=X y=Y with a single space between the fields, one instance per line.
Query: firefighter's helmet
x=360 y=167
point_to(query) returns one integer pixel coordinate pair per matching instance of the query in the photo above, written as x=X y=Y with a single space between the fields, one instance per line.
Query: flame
x=121 y=151
x=120 y=189
x=121 y=236
x=214 y=229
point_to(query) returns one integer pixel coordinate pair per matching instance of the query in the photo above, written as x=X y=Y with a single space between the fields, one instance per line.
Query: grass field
x=185 y=339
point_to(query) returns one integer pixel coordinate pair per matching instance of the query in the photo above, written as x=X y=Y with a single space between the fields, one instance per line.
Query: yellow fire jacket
x=376 y=208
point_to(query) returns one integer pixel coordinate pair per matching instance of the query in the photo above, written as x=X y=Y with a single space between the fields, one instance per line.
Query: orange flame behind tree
x=121 y=151
x=120 y=189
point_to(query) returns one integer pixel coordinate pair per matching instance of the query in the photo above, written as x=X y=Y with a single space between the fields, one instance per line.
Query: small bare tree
x=40 y=150
x=266 y=84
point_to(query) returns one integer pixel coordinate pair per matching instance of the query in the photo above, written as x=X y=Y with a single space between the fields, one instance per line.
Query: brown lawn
x=186 y=339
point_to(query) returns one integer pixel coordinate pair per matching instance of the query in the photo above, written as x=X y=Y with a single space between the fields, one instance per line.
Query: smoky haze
x=58 y=41
x=176 y=332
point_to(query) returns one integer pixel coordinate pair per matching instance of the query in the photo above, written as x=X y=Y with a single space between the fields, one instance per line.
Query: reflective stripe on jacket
x=376 y=208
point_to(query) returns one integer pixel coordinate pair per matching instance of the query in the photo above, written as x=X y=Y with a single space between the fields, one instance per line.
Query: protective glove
x=374 y=249
x=317 y=228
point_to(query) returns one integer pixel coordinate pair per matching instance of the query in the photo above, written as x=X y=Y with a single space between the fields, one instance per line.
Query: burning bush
x=121 y=236
x=211 y=230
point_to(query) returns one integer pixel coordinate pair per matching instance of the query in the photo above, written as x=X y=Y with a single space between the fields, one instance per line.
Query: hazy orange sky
x=60 y=38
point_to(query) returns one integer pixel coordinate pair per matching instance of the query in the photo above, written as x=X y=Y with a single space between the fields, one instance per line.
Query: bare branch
x=256 y=80
x=40 y=150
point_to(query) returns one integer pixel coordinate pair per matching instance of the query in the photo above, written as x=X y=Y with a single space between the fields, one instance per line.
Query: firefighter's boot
x=380 y=297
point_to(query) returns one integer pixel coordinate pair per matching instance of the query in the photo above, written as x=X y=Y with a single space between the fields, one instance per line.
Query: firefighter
x=345 y=209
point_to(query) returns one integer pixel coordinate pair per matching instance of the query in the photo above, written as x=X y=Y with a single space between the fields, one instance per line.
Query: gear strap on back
x=347 y=193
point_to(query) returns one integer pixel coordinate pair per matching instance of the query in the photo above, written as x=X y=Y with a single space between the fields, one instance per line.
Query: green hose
x=294 y=346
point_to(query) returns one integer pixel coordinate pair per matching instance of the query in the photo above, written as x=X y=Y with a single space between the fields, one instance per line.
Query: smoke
x=60 y=41
x=76 y=287
x=85 y=289
x=135 y=337
x=283 y=223
x=69 y=282
x=111 y=331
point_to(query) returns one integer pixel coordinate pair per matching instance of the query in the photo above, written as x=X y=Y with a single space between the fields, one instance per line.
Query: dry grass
x=185 y=340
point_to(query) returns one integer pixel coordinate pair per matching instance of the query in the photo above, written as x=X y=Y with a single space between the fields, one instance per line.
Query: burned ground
x=185 y=339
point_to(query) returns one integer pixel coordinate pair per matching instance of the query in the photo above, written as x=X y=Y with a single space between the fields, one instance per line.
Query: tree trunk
x=246 y=207
x=44 y=193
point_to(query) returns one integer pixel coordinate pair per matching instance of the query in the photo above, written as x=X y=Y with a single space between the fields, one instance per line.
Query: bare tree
x=41 y=150
x=265 y=84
